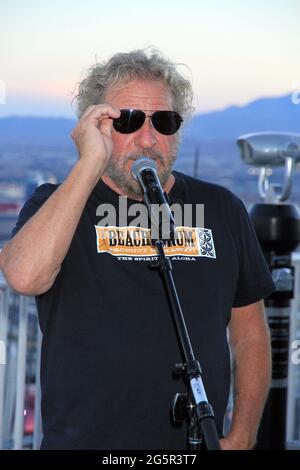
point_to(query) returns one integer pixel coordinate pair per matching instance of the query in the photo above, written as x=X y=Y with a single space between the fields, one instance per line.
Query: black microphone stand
x=193 y=405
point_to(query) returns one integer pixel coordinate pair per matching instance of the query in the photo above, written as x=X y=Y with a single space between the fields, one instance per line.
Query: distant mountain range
x=36 y=131
x=275 y=114
x=267 y=114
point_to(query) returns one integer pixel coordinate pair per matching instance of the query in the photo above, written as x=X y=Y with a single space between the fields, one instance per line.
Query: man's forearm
x=251 y=351
x=32 y=259
x=252 y=371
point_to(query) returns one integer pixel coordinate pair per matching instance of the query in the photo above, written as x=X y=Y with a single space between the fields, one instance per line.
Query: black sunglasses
x=165 y=122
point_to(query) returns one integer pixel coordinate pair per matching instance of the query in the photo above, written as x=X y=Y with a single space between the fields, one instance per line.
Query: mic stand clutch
x=193 y=405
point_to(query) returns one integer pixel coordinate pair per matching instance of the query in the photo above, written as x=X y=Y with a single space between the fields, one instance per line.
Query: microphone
x=162 y=221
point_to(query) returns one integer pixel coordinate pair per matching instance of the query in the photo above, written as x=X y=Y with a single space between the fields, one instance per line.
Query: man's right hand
x=92 y=135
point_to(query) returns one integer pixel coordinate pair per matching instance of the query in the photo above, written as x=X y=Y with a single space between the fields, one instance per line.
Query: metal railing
x=293 y=408
x=20 y=347
x=20 y=336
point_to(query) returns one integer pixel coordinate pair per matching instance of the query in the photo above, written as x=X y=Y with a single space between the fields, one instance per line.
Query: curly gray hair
x=142 y=64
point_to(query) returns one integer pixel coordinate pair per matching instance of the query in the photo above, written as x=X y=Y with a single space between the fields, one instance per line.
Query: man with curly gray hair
x=108 y=340
x=133 y=76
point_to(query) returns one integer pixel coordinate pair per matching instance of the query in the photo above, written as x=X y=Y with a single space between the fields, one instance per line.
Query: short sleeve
x=32 y=205
x=254 y=280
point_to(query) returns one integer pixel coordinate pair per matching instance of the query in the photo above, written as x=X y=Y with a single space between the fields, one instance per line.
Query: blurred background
x=243 y=59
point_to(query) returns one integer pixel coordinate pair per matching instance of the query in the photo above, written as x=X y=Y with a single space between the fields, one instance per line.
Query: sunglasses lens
x=130 y=121
x=166 y=122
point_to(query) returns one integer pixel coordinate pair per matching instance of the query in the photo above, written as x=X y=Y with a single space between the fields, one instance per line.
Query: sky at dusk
x=233 y=51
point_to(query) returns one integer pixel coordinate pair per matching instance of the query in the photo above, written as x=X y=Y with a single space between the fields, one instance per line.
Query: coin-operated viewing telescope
x=277 y=224
x=268 y=150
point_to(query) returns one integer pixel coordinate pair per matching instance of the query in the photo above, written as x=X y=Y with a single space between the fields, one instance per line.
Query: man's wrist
x=242 y=440
x=89 y=170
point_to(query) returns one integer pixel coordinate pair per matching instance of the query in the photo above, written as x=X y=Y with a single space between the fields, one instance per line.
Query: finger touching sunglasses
x=130 y=120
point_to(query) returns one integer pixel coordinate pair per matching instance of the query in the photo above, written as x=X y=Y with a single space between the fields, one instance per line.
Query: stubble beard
x=117 y=170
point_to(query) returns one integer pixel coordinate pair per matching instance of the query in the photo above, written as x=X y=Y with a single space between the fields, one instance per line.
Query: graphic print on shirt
x=136 y=242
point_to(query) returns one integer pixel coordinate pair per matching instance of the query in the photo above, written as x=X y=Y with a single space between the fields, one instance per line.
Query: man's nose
x=145 y=137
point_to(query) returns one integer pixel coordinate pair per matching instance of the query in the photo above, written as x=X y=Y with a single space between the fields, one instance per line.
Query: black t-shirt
x=109 y=343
